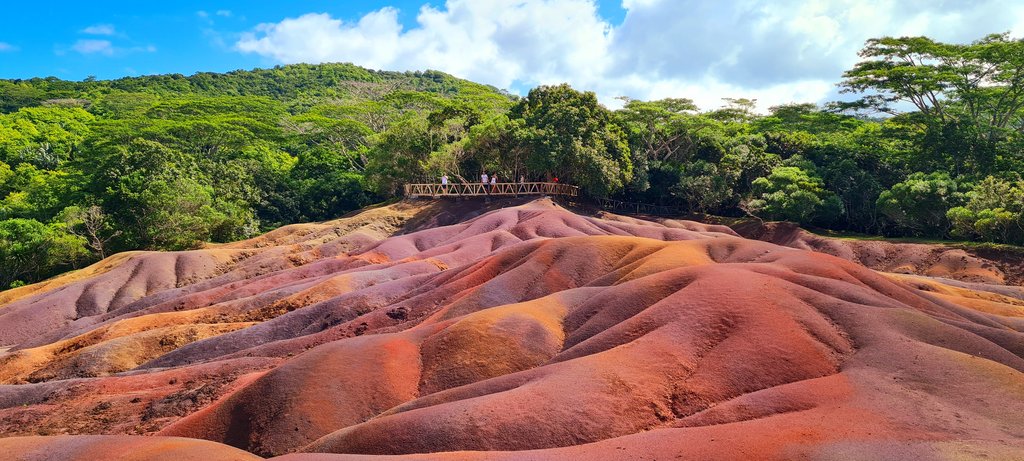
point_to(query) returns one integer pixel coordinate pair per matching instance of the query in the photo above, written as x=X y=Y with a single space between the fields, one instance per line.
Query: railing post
x=500 y=189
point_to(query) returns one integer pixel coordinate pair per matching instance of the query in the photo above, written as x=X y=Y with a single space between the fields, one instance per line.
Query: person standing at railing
x=494 y=183
x=444 y=183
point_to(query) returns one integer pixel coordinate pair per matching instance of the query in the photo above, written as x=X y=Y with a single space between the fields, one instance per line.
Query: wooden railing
x=638 y=208
x=499 y=189
x=533 y=188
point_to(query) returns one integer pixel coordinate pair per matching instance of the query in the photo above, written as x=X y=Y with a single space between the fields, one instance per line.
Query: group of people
x=489 y=180
x=493 y=182
x=486 y=180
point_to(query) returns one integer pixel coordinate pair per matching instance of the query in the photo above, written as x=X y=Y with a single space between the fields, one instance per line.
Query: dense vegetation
x=167 y=162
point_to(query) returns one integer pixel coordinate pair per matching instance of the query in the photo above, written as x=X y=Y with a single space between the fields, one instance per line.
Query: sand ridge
x=454 y=331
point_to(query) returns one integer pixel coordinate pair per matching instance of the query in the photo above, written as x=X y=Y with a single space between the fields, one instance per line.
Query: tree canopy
x=934 y=146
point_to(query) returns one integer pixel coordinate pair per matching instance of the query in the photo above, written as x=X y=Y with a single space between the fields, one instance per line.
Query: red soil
x=125 y=448
x=951 y=261
x=433 y=331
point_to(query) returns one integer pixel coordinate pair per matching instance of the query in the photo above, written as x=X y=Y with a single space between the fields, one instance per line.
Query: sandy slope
x=450 y=330
x=957 y=262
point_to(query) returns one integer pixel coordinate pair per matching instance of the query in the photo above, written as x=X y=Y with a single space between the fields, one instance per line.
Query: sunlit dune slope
x=977 y=264
x=446 y=331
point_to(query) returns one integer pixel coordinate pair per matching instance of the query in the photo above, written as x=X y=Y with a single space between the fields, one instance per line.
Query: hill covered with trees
x=933 y=149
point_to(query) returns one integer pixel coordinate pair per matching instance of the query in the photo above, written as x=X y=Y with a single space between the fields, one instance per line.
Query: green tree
x=994 y=212
x=91 y=224
x=658 y=131
x=702 y=186
x=571 y=136
x=177 y=213
x=6 y=175
x=969 y=96
x=32 y=251
x=15 y=95
x=745 y=159
x=156 y=196
x=919 y=204
x=498 y=145
x=325 y=187
x=735 y=110
x=450 y=130
x=794 y=193
x=44 y=136
x=170 y=161
x=398 y=156
x=37 y=193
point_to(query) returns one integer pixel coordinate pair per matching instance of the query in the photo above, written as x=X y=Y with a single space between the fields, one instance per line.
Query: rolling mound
x=949 y=261
x=455 y=330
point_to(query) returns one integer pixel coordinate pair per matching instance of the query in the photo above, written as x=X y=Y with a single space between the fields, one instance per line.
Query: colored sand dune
x=450 y=331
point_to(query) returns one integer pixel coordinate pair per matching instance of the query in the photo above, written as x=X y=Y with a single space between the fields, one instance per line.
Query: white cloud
x=103 y=47
x=208 y=17
x=775 y=51
x=99 y=29
x=486 y=40
x=7 y=47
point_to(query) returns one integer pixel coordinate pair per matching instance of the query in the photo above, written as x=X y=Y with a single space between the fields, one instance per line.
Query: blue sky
x=161 y=37
x=776 y=51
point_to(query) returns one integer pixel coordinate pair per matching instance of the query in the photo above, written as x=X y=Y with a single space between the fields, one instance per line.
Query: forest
x=929 y=146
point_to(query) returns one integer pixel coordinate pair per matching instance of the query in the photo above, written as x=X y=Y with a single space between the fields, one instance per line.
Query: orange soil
x=438 y=331
x=934 y=260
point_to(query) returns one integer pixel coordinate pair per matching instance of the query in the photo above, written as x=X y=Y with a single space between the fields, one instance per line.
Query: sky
x=775 y=51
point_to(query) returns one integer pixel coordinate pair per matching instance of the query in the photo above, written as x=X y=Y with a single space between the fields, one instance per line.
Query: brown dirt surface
x=954 y=261
x=518 y=329
x=99 y=447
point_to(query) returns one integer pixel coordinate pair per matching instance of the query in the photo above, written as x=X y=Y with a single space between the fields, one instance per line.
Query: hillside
x=172 y=162
x=169 y=162
x=458 y=330
x=289 y=84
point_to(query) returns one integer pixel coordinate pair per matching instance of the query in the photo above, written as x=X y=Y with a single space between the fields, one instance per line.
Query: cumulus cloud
x=103 y=47
x=224 y=13
x=99 y=29
x=6 y=47
x=490 y=41
x=106 y=48
x=777 y=51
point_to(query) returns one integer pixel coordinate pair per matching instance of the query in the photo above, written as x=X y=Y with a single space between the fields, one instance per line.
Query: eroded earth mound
x=453 y=331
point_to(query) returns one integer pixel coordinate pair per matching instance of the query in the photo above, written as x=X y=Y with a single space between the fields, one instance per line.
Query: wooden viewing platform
x=482 y=190
x=639 y=208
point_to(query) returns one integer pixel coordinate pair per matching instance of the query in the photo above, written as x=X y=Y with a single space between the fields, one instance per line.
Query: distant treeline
x=932 y=149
